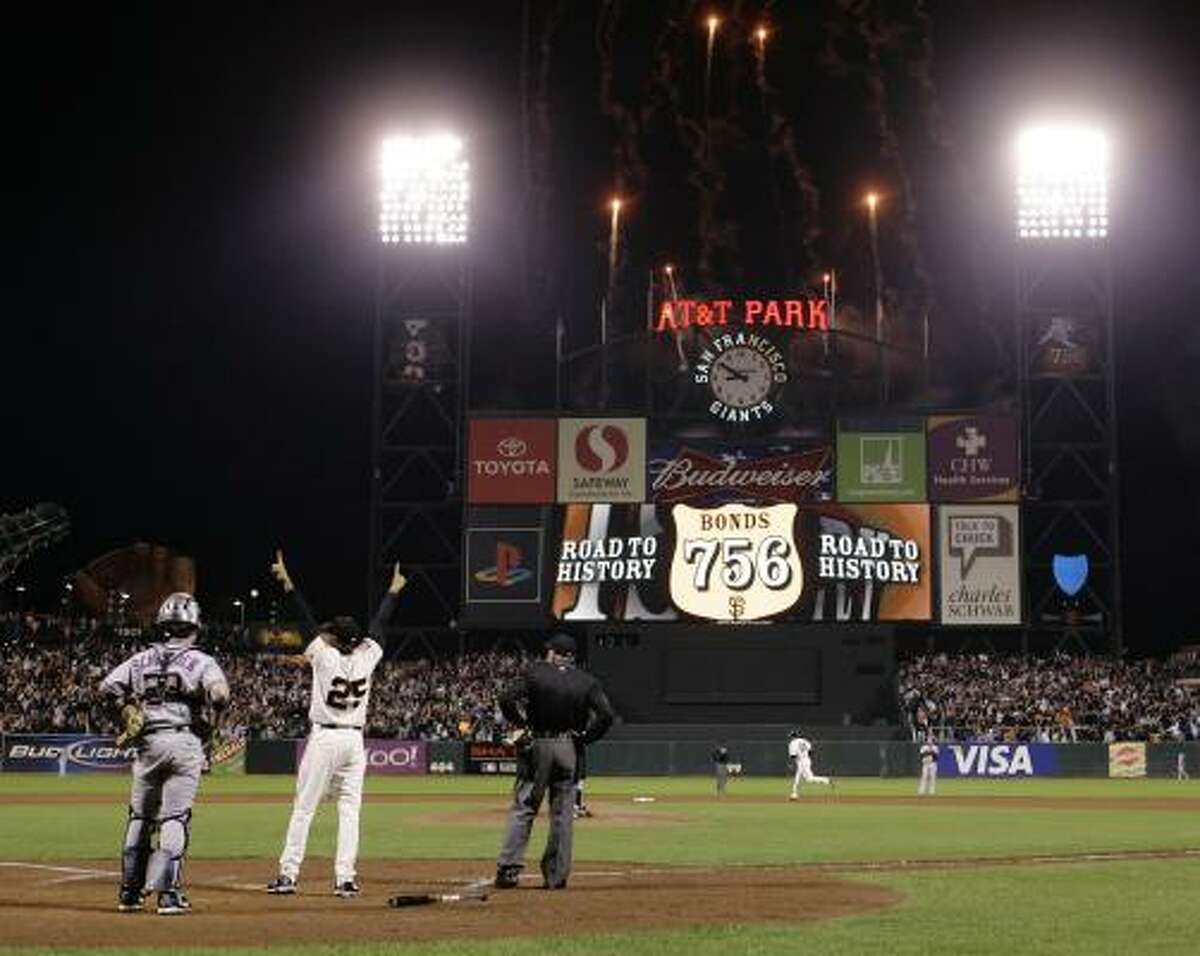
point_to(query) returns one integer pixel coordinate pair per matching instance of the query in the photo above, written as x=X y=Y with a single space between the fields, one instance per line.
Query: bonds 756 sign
x=736 y=562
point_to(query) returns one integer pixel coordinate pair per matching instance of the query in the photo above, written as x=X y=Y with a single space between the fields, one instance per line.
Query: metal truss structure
x=423 y=307
x=1064 y=318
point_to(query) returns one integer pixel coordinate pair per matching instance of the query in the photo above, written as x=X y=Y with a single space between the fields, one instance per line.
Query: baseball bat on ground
x=424 y=899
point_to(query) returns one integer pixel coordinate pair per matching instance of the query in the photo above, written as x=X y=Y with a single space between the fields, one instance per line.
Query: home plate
x=643 y=799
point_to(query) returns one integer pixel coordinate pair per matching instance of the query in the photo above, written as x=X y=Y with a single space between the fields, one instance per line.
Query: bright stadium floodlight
x=1062 y=184
x=425 y=195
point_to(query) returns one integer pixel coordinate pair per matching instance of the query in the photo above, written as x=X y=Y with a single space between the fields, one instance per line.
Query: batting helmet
x=345 y=632
x=795 y=732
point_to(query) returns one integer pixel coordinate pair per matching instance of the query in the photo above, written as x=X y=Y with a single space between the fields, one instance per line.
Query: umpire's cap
x=561 y=643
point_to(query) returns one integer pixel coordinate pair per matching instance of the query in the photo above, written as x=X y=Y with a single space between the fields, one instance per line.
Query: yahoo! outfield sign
x=387 y=756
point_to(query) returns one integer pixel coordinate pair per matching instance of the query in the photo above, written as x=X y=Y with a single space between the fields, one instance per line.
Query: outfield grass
x=1145 y=906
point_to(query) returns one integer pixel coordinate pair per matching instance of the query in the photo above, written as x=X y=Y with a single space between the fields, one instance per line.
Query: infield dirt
x=65 y=903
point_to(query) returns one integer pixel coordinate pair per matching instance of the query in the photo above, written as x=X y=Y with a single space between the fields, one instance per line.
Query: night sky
x=187 y=335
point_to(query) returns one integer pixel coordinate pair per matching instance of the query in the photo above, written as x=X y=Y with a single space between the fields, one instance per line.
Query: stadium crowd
x=1057 y=698
x=50 y=668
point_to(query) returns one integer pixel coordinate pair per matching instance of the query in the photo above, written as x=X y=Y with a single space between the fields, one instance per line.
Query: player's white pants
x=928 y=783
x=334 y=762
x=804 y=772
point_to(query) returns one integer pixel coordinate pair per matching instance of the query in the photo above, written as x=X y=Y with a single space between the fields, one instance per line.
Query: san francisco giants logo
x=737 y=607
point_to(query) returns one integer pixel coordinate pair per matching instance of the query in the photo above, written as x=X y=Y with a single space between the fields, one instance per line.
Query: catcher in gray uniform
x=161 y=694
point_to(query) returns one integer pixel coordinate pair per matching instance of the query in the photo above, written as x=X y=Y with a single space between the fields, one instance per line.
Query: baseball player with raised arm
x=161 y=694
x=800 y=752
x=342 y=659
x=929 y=759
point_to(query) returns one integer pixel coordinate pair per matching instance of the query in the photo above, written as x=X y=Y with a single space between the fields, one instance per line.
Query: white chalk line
x=74 y=874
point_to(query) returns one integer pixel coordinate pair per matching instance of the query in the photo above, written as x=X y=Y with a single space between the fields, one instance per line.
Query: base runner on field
x=800 y=752
x=342 y=660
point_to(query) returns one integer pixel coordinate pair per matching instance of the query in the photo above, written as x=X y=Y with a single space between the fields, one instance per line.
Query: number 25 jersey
x=341 y=685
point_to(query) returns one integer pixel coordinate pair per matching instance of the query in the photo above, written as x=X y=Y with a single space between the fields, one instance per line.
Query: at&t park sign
x=810 y=313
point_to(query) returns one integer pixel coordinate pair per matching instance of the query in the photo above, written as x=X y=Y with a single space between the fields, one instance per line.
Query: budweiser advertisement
x=703 y=472
x=511 y=460
x=972 y=458
x=602 y=460
x=743 y=562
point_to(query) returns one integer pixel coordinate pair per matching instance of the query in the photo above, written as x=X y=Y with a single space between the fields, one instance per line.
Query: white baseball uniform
x=929 y=767
x=334 y=760
x=800 y=751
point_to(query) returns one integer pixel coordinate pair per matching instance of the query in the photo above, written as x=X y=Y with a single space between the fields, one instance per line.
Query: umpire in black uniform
x=557 y=704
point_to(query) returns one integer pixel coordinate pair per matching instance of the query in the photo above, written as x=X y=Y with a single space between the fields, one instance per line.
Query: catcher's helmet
x=179 y=615
x=179 y=608
x=795 y=732
x=345 y=632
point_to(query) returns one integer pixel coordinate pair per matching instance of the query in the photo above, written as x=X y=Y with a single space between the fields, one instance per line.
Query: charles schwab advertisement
x=980 y=564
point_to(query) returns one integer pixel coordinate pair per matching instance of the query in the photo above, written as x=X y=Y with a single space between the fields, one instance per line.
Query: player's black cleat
x=346 y=889
x=282 y=885
x=130 y=901
x=172 y=903
x=507 y=877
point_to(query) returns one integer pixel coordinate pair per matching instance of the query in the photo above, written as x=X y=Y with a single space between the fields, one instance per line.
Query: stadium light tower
x=425 y=190
x=421 y=326
x=1062 y=183
x=1064 y=314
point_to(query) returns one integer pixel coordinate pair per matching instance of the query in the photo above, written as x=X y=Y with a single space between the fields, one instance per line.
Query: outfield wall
x=839 y=758
x=79 y=753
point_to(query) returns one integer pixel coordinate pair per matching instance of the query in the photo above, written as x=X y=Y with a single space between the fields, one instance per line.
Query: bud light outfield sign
x=998 y=760
x=64 y=753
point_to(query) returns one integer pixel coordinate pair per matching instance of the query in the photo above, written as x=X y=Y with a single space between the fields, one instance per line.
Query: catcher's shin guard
x=135 y=853
x=165 y=870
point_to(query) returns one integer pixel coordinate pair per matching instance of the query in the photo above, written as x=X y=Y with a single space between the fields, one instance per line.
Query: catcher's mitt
x=521 y=739
x=132 y=722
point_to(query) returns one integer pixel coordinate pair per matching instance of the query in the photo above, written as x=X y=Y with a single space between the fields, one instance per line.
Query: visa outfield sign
x=64 y=753
x=998 y=760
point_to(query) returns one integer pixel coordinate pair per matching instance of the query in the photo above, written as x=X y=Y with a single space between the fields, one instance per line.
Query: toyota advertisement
x=511 y=460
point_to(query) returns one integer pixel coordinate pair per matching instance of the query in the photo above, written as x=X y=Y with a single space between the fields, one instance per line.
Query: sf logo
x=737 y=607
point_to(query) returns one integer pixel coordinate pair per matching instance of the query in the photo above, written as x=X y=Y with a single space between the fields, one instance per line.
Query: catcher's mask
x=345 y=632
x=178 y=617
